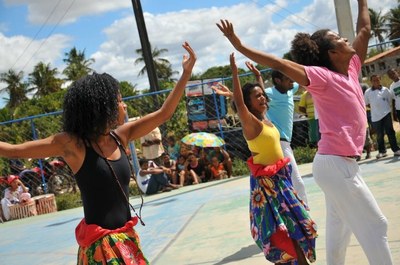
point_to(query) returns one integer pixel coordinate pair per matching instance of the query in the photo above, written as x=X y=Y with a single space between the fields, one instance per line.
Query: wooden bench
x=23 y=210
x=45 y=203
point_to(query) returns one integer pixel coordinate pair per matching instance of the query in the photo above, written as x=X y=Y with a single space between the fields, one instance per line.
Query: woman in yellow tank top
x=279 y=221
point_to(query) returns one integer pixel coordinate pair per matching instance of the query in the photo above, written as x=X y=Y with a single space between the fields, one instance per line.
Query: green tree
x=127 y=89
x=16 y=88
x=39 y=105
x=217 y=72
x=77 y=64
x=372 y=52
x=393 y=17
x=378 y=26
x=162 y=66
x=44 y=80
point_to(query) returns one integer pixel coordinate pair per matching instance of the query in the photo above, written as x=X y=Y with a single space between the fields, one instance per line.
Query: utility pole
x=344 y=19
x=146 y=49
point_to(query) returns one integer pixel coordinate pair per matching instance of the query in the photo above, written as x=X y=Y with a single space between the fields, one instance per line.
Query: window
x=382 y=66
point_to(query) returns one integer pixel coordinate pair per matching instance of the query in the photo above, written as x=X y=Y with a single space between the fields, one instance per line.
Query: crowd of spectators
x=182 y=165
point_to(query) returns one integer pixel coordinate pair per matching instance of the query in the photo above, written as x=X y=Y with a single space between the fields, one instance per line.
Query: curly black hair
x=246 y=91
x=312 y=50
x=91 y=106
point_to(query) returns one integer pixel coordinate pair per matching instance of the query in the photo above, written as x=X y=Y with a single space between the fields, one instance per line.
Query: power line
x=290 y=12
x=50 y=33
x=37 y=33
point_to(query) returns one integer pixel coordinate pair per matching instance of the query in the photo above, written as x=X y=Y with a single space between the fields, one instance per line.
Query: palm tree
x=166 y=73
x=77 y=64
x=44 y=79
x=393 y=17
x=16 y=88
x=378 y=28
x=162 y=66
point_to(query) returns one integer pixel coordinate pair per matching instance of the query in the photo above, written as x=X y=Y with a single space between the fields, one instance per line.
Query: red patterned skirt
x=103 y=246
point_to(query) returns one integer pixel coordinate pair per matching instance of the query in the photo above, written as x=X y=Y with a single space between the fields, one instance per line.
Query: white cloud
x=22 y=53
x=70 y=11
x=170 y=30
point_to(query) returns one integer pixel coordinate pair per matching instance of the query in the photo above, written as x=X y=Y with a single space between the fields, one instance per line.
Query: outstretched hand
x=222 y=90
x=252 y=68
x=227 y=28
x=188 y=61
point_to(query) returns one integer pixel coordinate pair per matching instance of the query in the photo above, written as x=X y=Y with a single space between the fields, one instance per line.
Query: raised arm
x=222 y=90
x=251 y=127
x=256 y=73
x=360 y=43
x=291 y=69
x=135 y=129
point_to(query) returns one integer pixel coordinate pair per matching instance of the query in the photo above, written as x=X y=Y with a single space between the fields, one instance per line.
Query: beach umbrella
x=203 y=139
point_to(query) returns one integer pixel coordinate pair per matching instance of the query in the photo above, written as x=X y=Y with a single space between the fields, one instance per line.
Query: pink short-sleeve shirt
x=341 y=109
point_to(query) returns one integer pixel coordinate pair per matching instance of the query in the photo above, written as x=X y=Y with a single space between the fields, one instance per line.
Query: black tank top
x=104 y=203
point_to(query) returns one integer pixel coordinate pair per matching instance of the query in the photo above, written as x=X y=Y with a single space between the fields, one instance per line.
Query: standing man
x=306 y=106
x=379 y=98
x=395 y=90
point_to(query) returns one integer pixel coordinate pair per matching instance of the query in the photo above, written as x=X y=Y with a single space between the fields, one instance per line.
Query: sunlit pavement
x=202 y=224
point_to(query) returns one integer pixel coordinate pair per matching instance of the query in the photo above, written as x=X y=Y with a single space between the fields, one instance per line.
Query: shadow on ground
x=243 y=253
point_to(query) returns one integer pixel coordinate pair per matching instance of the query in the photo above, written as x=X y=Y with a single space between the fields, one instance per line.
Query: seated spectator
x=170 y=167
x=196 y=150
x=217 y=169
x=203 y=159
x=180 y=171
x=173 y=147
x=223 y=157
x=185 y=149
x=195 y=170
x=152 y=147
x=17 y=193
x=152 y=179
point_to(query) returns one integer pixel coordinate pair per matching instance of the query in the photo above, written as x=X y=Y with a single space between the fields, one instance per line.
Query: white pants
x=298 y=183
x=350 y=207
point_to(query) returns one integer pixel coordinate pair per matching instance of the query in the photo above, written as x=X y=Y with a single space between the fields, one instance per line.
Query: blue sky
x=43 y=30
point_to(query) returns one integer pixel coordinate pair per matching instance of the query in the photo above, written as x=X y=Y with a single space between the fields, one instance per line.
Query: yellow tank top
x=266 y=146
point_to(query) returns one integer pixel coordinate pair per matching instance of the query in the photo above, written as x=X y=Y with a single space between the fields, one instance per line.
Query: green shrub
x=239 y=167
x=133 y=189
x=68 y=201
x=304 y=155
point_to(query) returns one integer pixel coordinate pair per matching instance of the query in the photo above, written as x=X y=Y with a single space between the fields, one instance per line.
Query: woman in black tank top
x=92 y=143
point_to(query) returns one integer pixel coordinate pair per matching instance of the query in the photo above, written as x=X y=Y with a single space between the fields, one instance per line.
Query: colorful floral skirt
x=278 y=217
x=114 y=247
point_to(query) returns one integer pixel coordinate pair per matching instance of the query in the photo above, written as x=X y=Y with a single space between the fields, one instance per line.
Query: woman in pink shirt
x=328 y=66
